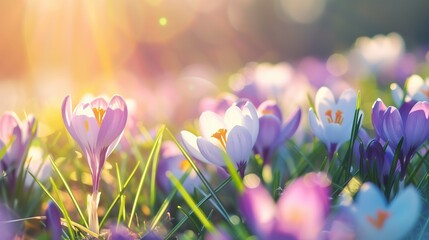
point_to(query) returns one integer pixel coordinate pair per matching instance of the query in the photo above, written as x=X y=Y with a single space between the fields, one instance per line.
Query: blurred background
x=164 y=54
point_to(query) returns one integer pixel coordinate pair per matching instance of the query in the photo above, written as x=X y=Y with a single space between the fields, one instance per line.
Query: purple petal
x=66 y=110
x=53 y=221
x=304 y=206
x=239 y=145
x=113 y=123
x=378 y=110
x=269 y=128
x=210 y=151
x=417 y=126
x=270 y=107
x=393 y=127
x=258 y=209
x=290 y=127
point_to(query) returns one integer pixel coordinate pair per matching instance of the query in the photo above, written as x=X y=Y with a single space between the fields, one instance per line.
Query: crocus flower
x=300 y=212
x=410 y=123
x=332 y=121
x=233 y=134
x=19 y=135
x=376 y=219
x=120 y=232
x=378 y=160
x=272 y=131
x=171 y=159
x=53 y=221
x=97 y=126
x=417 y=90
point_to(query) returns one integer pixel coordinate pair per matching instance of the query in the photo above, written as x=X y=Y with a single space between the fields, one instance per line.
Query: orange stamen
x=221 y=136
x=339 y=117
x=328 y=114
x=184 y=165
x=99 y=114
x=267 y=111
x=381 y=218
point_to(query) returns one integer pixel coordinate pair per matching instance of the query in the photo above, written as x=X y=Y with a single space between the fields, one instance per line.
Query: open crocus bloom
x=410 y=122
x=272 y=131
x=417 y=90
x=19 y=135
x=332 y=121
x=375 y=219
x=234 y=135
x=300 y=212
x=97 y=126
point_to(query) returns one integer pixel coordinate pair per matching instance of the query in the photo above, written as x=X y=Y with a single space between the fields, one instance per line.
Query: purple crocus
x=272 y=131
x=19 y=135
x=53 y=221
x=172 y=159
x=410 y=122
x=300 y=213
x=97 y=126
x=379 y=160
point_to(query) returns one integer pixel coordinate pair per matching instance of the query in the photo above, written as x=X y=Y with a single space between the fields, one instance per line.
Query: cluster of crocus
x=272 y=131
x=300 y=212
x=16 y=137
x=232 y=135
x=409 y=124
x=332 y=121
x=97 y=126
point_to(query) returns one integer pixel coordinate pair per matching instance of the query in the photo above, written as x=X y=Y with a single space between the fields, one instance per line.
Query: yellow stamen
x=381 y=218
x=221 y=136
x=99 y=114
x=184 y=165
x=86 y=125
x=267 y=111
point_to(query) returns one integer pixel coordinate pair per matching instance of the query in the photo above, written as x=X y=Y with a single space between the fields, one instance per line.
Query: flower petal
x=239 y=145
x=210 y=123
x=211 y=151
x=378 y=110
x=290 y=127
x=190 y=144
x=393 y=127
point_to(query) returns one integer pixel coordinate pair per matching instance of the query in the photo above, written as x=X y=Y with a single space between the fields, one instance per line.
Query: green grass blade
x=121 y=213
x=166 y=202
x=201 y=202
x=119 y=194
x=145 y=170
x=236 y=179
x=44 y=188
x=188 y=199
x=63 y=209
x=223 y=212
x=152 y=195
x=55 y=167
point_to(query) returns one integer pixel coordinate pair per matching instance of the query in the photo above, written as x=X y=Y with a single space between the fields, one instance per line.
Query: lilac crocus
x=300 y=212
x=172 y=159
x=272 y=131
x=19 y=135
x=53 y=221
x=410 y=122
x=332 y=121
x=376 y=219
x=97 y=126
x=233 y=135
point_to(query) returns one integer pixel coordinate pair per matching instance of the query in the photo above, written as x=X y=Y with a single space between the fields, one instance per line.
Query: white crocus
x=233 y=134
x=417 y=90
x=332 y=121
x=375 y=219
